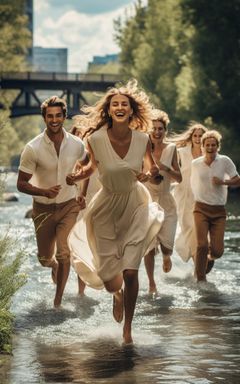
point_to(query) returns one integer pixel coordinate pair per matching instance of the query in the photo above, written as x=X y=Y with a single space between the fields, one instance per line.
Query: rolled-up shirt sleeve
x=28 y=160
x=230 y=168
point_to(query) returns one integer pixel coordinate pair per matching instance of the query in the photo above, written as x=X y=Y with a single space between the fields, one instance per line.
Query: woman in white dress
x=165 y=156
x=189 y=148
x=121 y=219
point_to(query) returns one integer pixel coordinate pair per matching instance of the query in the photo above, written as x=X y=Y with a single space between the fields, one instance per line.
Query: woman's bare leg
x=81 y=286
x=130 y=297
x=115 y=286
x=149 y=261
x=167 y=262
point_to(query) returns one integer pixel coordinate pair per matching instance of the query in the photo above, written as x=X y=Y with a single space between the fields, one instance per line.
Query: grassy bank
x=11 y=280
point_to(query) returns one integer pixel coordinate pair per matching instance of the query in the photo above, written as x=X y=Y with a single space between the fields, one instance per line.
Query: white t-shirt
x=39 y=158
x=204 y=190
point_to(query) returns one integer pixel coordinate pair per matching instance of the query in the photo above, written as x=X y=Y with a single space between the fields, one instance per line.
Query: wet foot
x=57 y=302
x=201 y=280
x=118 y=306
x=167 y=264
x=127 y=338
x=152 y=290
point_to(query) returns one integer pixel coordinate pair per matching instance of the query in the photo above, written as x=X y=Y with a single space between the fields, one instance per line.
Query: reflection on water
x=188 y=333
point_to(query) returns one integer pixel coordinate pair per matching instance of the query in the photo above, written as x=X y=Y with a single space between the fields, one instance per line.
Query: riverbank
x=5 y=364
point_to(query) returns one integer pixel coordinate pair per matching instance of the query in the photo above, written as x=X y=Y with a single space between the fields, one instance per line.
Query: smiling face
x=120 y=109
x=210 y=146
x=54 y=120
x=196 y=136
x=159 y=131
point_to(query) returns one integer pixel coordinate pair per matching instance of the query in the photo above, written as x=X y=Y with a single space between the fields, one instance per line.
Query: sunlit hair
x=158 y=115
x=184 y=138
x=139 y=102
x=81 y=124
x=54 y=101
x=212 y=135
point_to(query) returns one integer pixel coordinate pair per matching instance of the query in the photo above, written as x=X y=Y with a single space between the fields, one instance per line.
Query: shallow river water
x=188 y=333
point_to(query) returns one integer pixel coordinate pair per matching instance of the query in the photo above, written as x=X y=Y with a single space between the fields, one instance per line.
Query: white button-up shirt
x=39 y=158
x=204 y=190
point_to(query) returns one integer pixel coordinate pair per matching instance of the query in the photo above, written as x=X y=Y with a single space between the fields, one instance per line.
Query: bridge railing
x=59 y=76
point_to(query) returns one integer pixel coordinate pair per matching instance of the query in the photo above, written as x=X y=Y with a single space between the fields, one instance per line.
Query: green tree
x=155 y=49
x=186 y=55
x=15 y=36
x=128 y=33
x=216 y=54
x=14 y=43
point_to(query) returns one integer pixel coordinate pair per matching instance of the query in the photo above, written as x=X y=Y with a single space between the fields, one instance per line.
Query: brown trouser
x=53 y=224
x=210 y=225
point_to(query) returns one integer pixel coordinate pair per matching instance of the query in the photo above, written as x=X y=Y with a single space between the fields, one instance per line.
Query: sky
x=85 y=27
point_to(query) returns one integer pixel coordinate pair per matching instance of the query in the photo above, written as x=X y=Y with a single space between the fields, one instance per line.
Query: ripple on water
x=187 y=333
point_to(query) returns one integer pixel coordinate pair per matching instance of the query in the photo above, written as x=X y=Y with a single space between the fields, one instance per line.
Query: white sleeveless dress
x=121 y=219
x=161 y=193
x=185 y=243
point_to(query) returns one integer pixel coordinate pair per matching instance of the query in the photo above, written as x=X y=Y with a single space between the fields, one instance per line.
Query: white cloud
x=40 y=6
x=83 y=35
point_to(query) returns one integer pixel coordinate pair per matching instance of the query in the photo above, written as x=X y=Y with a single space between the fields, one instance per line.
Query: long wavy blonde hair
x=139 y=102
x=185 y=138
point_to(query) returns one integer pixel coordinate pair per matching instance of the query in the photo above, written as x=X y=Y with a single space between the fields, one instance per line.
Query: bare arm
x=84 y=187
x=174 y=171
x=234 y=181
x=24 y=186
x=85 y=171
x=150 y=162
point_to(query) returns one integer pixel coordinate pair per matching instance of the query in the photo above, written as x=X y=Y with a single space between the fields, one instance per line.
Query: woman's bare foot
x=57 y=302
x=81 y=287
x=118 y=306
x=127 y=337
x=152 y=289
x=167 y=263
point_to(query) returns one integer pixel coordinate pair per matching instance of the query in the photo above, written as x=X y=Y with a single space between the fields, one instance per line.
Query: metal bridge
x=71 y=86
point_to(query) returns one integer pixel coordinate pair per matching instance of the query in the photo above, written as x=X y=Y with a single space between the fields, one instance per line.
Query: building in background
x=29 y=12
x=44 y=59
x=102 y=60
x=50 y=59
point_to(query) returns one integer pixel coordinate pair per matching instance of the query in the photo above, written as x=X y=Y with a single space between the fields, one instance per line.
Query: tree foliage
x=14 y=43
x=216 y=53
x=15 y=36
x=155 y=49
x=186 y=54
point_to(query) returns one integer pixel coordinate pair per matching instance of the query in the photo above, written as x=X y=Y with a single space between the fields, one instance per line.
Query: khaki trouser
x=53 y=224
x=209 y=224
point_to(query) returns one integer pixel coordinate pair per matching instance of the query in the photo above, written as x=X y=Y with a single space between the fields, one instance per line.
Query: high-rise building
x=50 y=59
x=44 y=59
